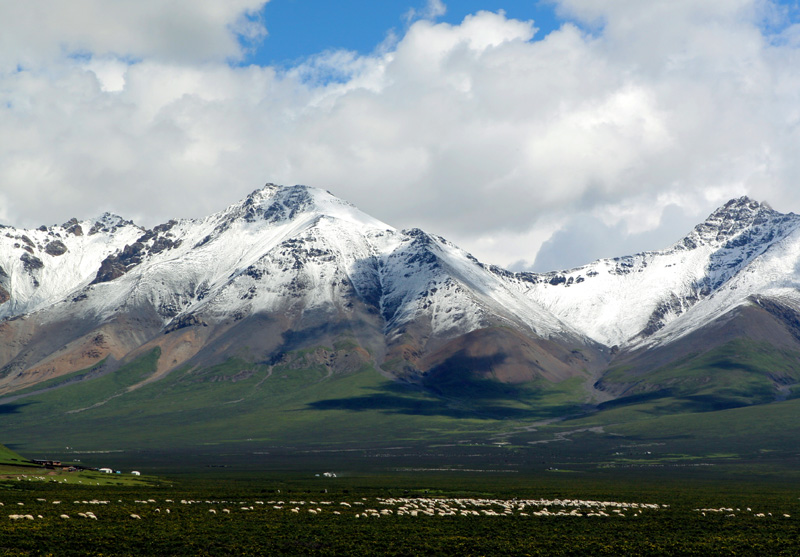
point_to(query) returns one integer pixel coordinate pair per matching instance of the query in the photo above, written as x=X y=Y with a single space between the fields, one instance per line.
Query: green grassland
x=296 y=402
x=255 y=416
x=738 y=373
x=13 y=463
x=9 y=457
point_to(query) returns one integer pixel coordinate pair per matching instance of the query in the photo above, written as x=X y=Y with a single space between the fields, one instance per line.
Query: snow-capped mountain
x=293 y=253
x=295 y=267
x=743 y=249
x=281 y=249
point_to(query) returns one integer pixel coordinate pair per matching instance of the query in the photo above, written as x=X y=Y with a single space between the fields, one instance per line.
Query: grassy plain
x=467 y=514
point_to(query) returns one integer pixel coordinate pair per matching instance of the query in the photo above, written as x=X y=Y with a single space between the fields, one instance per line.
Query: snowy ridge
x=291 y=250
x=215 y=262
x=42 y=266
x=742 y=249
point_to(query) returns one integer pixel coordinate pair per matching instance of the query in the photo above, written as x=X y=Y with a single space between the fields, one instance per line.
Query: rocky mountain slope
x=285 y=268
x=290 y=269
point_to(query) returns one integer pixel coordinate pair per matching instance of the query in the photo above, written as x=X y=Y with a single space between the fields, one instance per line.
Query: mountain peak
x=730 y=220
x=108 y=222
x=740 y=209
x=275 y=203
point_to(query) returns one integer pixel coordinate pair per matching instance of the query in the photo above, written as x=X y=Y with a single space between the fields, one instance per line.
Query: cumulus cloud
x=616 y=130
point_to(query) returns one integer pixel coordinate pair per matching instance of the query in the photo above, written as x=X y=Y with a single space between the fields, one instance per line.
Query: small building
x=47 y=463
x=106 y=470
x=135 y=473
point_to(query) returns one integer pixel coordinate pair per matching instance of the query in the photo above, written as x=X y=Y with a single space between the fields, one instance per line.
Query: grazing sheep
x=65 y=516
x=136 y=517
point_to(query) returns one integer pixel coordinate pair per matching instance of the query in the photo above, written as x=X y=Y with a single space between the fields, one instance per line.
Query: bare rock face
x=4 y=294
x=114 y=266
x=73 y=227
x=189 y=320
x=110 y=269
x=31 y=262
x=55 y=248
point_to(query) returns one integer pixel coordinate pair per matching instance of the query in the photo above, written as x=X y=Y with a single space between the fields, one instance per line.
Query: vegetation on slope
x=739 y=373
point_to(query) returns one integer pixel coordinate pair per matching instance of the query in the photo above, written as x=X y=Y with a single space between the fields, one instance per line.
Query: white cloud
x=35 y=31
x=433 y=9
x=472 y=131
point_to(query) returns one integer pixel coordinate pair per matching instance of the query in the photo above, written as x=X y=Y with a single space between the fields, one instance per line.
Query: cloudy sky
x=534 y=134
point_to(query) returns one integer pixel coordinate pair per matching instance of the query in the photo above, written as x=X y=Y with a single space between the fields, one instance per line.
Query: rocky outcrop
x=55 y=248
x=31 y=262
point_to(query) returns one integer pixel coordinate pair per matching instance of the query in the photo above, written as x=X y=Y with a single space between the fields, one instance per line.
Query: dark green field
x=402 y=514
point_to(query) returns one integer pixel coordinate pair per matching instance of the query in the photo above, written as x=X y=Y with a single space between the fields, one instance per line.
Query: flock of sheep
x=731 y=512
x=371 y=508
x=378 y=507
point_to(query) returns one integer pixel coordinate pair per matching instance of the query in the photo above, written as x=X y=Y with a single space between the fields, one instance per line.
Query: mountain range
x=292 y=280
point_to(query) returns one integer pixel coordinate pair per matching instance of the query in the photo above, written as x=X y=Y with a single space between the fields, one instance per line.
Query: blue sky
x=543 y=150
x=302 y=28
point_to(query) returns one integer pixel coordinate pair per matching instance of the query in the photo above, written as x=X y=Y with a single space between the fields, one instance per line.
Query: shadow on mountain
x=675 y=404
x=469 y=377
x=11 y=408
x=401 y=399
